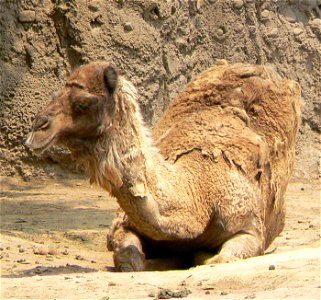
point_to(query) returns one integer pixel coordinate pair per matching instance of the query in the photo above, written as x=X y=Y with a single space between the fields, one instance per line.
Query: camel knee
x=239 y=246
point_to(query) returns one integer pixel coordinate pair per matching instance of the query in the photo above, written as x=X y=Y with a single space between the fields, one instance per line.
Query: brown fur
x=215 y=182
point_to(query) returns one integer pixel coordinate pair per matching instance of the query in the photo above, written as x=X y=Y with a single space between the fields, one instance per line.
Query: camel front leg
x=239 y=246
x=128 y=250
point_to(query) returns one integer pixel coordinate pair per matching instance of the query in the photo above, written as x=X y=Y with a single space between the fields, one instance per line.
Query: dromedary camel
x=207 y=186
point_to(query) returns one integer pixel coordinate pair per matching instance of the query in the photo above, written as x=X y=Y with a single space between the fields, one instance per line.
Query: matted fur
x=212 y=176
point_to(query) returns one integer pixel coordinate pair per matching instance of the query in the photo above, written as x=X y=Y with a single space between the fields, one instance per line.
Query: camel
x=206 y=185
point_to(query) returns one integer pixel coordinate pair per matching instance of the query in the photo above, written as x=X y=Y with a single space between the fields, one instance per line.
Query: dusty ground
x=53 y=247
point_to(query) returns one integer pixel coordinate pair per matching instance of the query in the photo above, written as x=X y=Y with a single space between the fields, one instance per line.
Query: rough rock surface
x=159 y=46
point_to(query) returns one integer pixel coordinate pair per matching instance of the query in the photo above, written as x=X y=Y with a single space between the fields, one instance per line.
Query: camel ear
x=111 y=79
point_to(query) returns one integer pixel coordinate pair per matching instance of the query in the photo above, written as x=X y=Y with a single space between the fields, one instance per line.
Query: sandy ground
x=53 y=237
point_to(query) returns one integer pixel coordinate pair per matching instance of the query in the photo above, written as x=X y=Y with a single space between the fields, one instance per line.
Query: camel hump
x=245 y=112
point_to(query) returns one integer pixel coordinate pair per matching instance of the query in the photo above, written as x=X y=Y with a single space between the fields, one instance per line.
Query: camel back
x=246 y=113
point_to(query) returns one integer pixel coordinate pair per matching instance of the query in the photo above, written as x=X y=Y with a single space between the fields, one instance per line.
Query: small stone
x=111 y=283
x=316 y=26
x=152 y=295
x=239 y=27
x=224 y=293
x=27 y=16
x=272 y=267
x=21 y=250
x=128 y=26
x=207 y=292
x=79 y=257
x=298 y=31
x=265 y=15
x=311 y=226
x=93 y=6
x=273 y=33
x=40 y=251
x=220 y=32
x=53 y=252
x=290 y=16
x=65 y=252
x=199 y=4
x=238 y=4
x=22 y=261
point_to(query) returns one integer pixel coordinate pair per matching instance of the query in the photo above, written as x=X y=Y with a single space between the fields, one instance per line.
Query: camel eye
x=41 y=123
x=84 y=104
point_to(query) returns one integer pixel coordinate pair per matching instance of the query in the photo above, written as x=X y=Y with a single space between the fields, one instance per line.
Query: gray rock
x=297 y=31
x=27 y=16
x=265 y=14
x=238 y=4
x=93 y=6
x=273 y=32
x=128 y=26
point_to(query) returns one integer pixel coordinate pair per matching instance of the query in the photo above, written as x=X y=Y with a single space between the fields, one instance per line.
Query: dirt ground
x=53 y=247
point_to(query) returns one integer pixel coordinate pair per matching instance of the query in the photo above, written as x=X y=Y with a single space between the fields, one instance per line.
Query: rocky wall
x=159 y=46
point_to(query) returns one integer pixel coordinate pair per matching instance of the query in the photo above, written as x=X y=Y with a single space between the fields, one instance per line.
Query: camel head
x=77 y=113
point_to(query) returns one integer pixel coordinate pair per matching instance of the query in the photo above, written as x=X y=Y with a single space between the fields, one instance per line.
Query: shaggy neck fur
x=125 y=163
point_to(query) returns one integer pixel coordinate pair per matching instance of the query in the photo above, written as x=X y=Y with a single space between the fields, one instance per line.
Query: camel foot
x=129 y=259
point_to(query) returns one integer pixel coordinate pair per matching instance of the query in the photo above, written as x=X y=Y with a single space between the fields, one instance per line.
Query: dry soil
x=53 y=238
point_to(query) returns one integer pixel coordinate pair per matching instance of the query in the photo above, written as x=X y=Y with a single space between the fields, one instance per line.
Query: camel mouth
x=39 y=148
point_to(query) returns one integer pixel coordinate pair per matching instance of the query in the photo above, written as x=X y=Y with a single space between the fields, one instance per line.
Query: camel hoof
x=129 y=259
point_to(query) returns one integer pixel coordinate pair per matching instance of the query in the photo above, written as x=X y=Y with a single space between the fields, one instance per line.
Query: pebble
x=265 y=15
x=290 y=16
x=22 y=261
x=93 y=6
x=128 y=26
x=40 y=251
x=239 y=27
x=65 y=252
x=53 y=252
x=238 y=4
x=224 y=293
x=273 y=32
x=220 y=32
x=272 y=267
x=316 y=26
x=27 y=16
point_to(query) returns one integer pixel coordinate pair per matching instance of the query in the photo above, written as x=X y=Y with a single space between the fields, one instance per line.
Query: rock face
x=159 y=46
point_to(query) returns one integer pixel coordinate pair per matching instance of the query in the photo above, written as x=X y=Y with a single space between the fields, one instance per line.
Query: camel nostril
x=41 y=123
